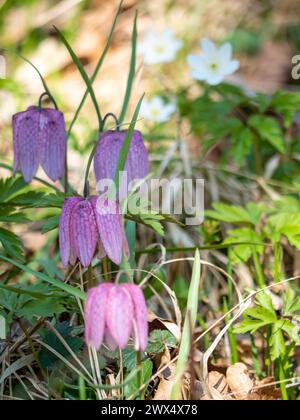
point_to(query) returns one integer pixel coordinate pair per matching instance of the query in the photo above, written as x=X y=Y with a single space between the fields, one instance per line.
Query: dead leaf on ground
x=217 y=387
x=239 y=381
x=263 y=392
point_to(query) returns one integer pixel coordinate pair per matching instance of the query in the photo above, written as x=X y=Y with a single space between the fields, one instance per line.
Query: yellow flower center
x=160 y=49
x=155 y=112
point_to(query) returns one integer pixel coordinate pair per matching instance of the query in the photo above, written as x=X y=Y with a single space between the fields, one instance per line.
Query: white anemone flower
x=159 y=47
x=156 y=110
x=215 y=64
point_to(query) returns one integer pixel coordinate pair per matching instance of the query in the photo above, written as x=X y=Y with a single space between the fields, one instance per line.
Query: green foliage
x=257 y=224
x=47 y=358
x=268 y=130
x=133 y=386
x=226 y=113
x=244 y=40
x=31 y=301
x=180 y=287
x=159 y=340
x=282 y=327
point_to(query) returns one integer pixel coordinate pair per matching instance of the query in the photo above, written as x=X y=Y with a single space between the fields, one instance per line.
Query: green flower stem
x=277 y=262
x=139 y=374
x=261 y=281
x=90 y=276
x=257 y=156
x=282 y=378
x=87 y=171
x=231 y=337
x=255 y=358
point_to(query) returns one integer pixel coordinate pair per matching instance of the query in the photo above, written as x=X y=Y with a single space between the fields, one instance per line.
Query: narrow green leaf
x=189 y=323
x=21 y=292
x=131 y=71
x=277 y=343
x=59 y=284
x=83 y=74
x=35 y=68
x=126 y=143
x=97 y=68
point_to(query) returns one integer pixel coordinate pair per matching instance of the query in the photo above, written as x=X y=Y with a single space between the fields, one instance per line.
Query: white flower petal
x=231 y=67
x=214 y=64
x=208 y=46
x=215 y=79
x=194 y=61
x=225 y=52
x=159 y=48
x=156 y=110
x=199 y=75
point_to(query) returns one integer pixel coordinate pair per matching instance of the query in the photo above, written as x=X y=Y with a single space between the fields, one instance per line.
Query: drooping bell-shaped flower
x=113 y=314
x=108 y=151
x=39 y=136
x=88 y=222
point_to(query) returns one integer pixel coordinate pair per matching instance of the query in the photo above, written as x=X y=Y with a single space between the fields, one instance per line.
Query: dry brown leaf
x=217 y=386
x=264 y=392
x=166 y=383
x=239 y=381
x=157 y=322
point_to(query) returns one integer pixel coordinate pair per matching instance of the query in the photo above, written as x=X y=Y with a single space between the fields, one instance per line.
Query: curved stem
x=50 y=97
x=86 y=190
x=140 y=374
x=32 y=65
x=91 y=157
x=89 y=164
x=112 y=115
x=90 y=276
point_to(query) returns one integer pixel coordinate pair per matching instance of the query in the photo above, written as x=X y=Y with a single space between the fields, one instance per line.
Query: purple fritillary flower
x=140 y=318
x=86 y=223
x=39 y=136
x=107 y=156
x=95 y=313
x=113 y=314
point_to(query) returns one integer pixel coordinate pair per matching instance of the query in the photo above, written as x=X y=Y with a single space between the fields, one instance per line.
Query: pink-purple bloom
x=113 y=314
x=39 y=139
x=107 y=156
x=88 y=223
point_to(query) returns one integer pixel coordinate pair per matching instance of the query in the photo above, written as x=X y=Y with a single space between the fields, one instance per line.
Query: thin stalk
x=36 y=69
x=122 y=373
x=66 y=176
x=34 y=352
x=91 y=157
x=283 y=378
x=268 y=359
x=206 y=340
x=88 y=167
x=131 y=74
x=257 y=156
x=97 y=68
x=259 y=271
x=140 y=374
x=194 y=248
x=277 y=262
x=255 y=358
x=90 y=276
x=40 y=105
x=82 y=389
x=83 y=73
x=234 y=356
x=106 y=269
x=110 y=115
